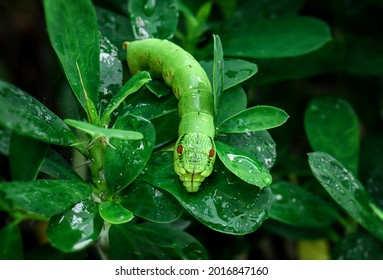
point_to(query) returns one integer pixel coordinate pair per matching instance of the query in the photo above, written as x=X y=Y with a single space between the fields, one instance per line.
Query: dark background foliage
x=349 y=67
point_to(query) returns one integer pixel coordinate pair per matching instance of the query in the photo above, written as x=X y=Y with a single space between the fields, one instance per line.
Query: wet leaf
x=164 y=235
x=5 y=137
x=234 y=100
x=296 y=206
x=131 y=86
x=243 y=165
x=11 y=247
x=114 y=213
x=218 y=70
x=116 y=27
x=254 y=119
x=236 y=71
x=126 y=159
x=332 y=126
x=263 y=38
x=111 y=74
x=153 y=19
x=358 y=246
x=107 y=133
x=375 y=186
x=46 y=197
x=127 y=243
x=151 y=203
x=72 y=36
x=346 y=190
x=76 y=228
x=25 y=162
x=26 y=116
x=258 y=144
x=224 y=202
x=56 y=166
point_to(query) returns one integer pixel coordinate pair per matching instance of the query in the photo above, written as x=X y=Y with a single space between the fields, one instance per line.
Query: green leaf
x=258 y=144
x=131 y=86
x=26 y=116
x=149 y=106
x=108 y=133
x=324 y=60
x=11 y=247
x=346 y=190
x=114 y=213
x=153 y=19
x=162 y=112
x=164 y=235
x=111 y=73
x=150 y=203
x=296 y=206
x=127 y=243
x=358 y=246
x=125 y=161
x=332 y=127
x=158 y=87
x=57 y=167
x=75 y=40
x=254 y=119
x=236 y=71
x=375 y=186
x=218 y=70
x=233 y=101
x=5 y=137
x=278 y=37
x=297 y=233
x=243 y=165
x=25 y=162
x=224 y=202
x=76 y=228
x=116 y=27
x=46 y=197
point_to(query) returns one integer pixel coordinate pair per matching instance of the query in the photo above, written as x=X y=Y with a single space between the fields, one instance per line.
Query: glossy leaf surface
x=46 y=197
x=131 y=86
x=151 y=203
x=218 y=70
x=254 y=119
x=296 y=206
x=224 y=203
x=25 y=162
x=153 y=19
x=278 y=37
x=236 y=71
x=114 y=213
x=75 y=40
x=124 y=162
x=258 y=144
x=243 y=165
x=332 y=127
x=76 y=228
x=128 y=243
x=164 y=235
x=25 y=115
x=346 y=190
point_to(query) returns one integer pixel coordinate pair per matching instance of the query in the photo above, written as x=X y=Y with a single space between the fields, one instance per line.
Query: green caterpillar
x=195 y=151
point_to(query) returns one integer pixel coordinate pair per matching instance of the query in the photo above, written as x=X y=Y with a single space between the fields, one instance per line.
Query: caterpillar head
x=194 y=157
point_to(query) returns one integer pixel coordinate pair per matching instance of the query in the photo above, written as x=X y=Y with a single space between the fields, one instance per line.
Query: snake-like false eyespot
x=211 y=153
x=180 y=149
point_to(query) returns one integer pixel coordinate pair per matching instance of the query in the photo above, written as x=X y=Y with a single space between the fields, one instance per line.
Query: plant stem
x=103 y=242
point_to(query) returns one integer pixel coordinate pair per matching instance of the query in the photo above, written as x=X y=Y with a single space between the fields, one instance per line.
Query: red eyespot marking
x=180 y=149
x=211 y=153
